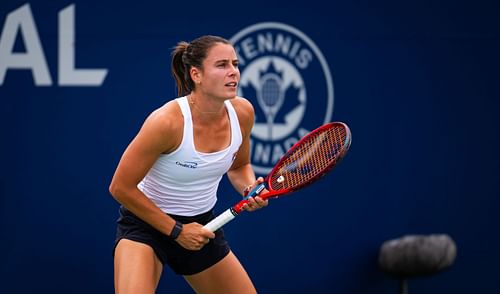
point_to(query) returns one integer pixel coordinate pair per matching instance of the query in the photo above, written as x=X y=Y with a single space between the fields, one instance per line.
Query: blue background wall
x=417 y=82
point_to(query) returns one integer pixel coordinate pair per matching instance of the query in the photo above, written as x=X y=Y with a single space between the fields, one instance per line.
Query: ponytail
x=180 y=69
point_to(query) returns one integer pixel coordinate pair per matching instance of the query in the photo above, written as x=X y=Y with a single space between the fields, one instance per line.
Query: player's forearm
x=241 y=177
x=134 y=200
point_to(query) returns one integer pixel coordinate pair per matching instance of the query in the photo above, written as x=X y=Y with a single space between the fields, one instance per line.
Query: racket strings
x=315 y=155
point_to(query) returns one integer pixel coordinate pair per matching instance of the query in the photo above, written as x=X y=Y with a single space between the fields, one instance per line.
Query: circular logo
x=287 y=79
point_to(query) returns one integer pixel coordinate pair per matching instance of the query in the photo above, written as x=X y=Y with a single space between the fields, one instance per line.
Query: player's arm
x=159 y=134
x=241 y=174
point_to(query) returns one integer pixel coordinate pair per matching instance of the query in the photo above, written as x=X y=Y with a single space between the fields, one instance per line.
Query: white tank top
x=185 y=181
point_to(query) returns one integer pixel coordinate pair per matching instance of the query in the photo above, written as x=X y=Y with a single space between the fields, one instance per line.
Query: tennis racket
x=309 y=159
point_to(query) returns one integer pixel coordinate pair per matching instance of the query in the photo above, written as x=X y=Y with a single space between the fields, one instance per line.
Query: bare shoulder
x=167 y=116
x=244 y=110
x=242 y=105
x=164 y=126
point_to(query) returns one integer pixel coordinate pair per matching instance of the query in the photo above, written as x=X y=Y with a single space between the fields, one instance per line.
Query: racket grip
x=221 y=220
x=256 y=191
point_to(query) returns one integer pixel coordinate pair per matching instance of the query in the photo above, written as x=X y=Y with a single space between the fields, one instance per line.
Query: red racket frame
x=277 y=193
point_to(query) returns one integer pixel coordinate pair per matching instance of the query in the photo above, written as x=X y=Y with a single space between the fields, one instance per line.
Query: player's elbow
x=116 y=190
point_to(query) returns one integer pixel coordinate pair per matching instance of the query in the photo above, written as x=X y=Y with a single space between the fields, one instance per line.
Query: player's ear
x=195 y=74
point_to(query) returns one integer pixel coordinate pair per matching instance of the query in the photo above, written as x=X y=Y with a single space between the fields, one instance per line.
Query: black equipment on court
x=416 y=256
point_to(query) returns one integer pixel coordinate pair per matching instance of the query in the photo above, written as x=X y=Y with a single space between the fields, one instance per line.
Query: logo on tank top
x=188 y=164
x=287 y=79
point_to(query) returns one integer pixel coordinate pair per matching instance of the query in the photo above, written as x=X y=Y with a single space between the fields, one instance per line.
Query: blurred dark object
x=416 y=256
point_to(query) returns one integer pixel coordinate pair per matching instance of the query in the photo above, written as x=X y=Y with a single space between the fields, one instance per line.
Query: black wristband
x=176 y=230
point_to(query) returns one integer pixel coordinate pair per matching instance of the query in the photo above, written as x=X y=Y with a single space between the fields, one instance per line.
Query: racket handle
x=221 y=220
x=231 y=213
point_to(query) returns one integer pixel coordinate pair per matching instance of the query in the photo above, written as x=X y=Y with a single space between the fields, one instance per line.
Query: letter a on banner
x=21 y=20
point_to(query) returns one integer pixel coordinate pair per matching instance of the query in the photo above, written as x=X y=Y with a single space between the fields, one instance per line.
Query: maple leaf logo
x=274 y=100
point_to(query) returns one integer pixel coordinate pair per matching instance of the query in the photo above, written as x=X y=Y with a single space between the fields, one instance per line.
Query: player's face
x=220 y=74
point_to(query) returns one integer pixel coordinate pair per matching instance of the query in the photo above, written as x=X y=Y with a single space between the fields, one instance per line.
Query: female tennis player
x=167 y=178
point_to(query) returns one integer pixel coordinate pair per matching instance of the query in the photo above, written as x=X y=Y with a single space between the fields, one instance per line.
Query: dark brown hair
x=186 y=55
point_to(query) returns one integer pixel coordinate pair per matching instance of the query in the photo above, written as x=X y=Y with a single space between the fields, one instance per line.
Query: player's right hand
x=194 y=236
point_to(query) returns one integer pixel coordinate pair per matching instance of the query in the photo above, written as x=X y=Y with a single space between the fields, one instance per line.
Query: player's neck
x=206 y=109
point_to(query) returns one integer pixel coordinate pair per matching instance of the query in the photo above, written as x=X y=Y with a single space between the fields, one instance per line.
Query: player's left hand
x=256 y=202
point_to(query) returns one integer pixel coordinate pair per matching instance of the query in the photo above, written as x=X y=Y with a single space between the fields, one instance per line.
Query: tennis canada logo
x=287 y=79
